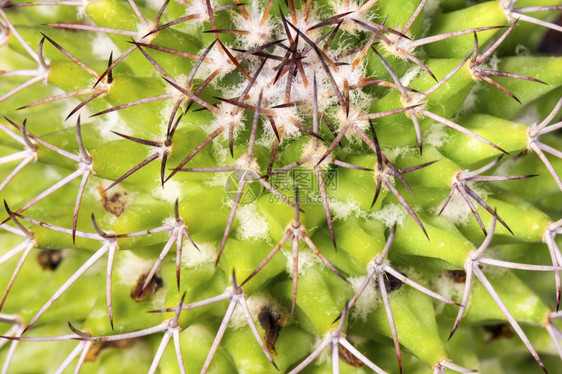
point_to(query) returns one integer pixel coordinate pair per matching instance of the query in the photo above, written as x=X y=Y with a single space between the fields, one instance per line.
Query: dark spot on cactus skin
x=392 y=283
x=95 y=349
x=458 y=276
x=50 y=259
x=552 y=42
x=138 y=294
x=347 y=357
x=499 y=331
x=272 y=322
x=114 y=202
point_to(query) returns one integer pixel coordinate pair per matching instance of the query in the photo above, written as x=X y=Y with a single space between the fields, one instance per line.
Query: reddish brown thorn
x=324 y=195
x=12 y=216
x=378 y=28
x=266 y=11
x=133 y=170
x=150 y=59
x=330 y=126
x=332 y=36
x=484 y=205
x=114 y=64
x=193 y=97
x=172 y=23
x=70 y=56
x=407 y=207
x=138 y=140
x=63 y=96
x=501 y=88
x=235 y=61
x=193 y=153
x=82 y=103
x=480 y=59
x=110 y=74
x=301 y=127
x=509 y=75
x=324 y=60
x=253 y=51
x=230 y=222
x=417 y=167
x=329 y=21
x=228 y=31
x=175 y=52
x=134 y=103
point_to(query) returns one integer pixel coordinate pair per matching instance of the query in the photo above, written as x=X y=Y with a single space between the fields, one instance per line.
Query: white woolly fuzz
x=252 y=224
x=112 y=121
x=352 y=121
x=158 y=298
x=191 y=257
x=457 y=209
x=219 y=61
x=315 y=150
x=391 y=214
x=304 y=25
x=306 y=260
x=493 y=62
x=343 y=210
x=199 y=7
x=81 y=10
x=368 y=299
x=284 y=118
x=410 y=75
x=218 y=179
x=272 y=93
x=431 y=7
x=102 y=46
x=255 y=305
x=267 y=138
x=170 y=192
x=230 y=115
x=144 y=29
x=177 y=95
x=436 y=135
x=259 y=33
x=394 y=153
x=220 y=153
x=353 y=75
x=129 y=267
x=348 y=25
x=397 y=45
x=447 y=287
x=153 y=4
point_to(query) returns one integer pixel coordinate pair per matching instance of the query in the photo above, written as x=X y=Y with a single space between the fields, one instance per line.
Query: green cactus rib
x=343 y=186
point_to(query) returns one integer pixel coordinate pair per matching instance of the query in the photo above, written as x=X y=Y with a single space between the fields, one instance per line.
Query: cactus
x=262 y=187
